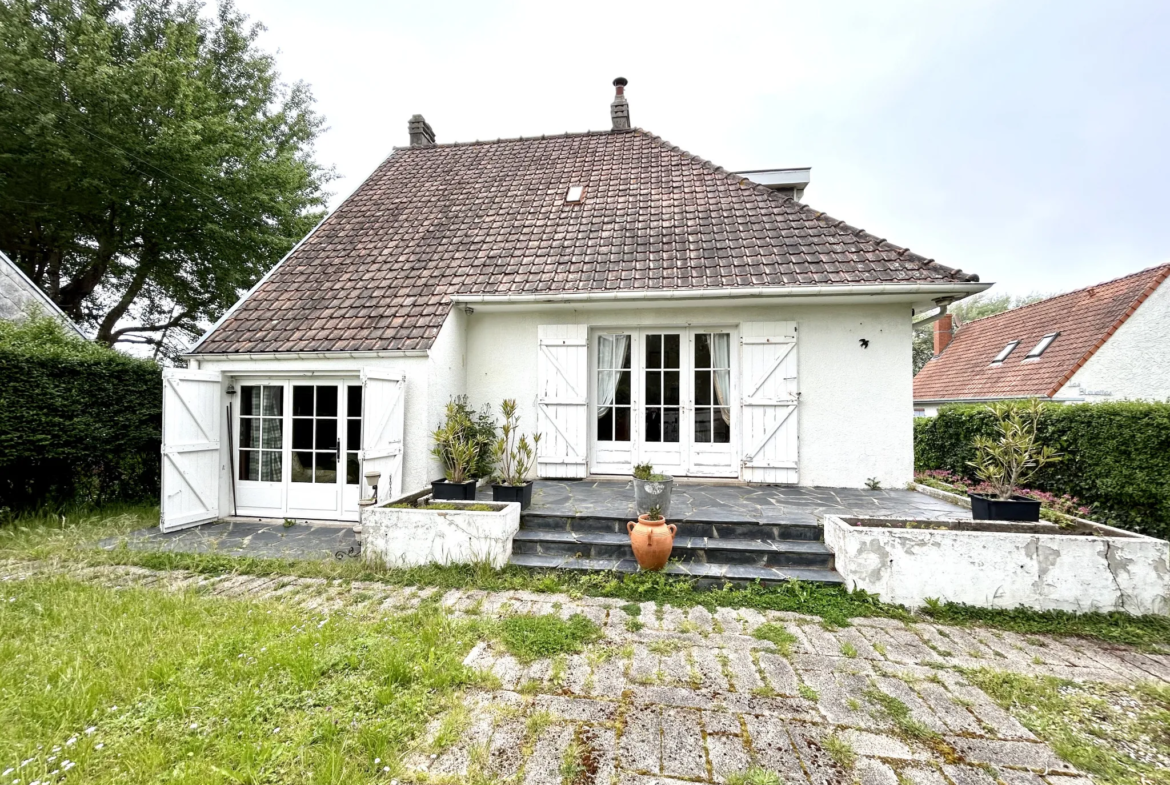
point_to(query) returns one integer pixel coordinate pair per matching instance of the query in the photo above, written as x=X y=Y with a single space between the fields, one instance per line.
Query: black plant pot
x=1018 y=508
x=513 y=493
x=453 y=491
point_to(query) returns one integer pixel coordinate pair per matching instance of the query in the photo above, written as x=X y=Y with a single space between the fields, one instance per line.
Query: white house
x=1106 y=342
x=641 y=304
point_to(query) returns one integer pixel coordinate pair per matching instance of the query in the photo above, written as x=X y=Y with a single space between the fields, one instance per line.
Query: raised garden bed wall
x=416 y=535
x=1002 y=565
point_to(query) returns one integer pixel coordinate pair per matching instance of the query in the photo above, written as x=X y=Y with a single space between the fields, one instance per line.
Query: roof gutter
x=306 y=355
x=786 y=292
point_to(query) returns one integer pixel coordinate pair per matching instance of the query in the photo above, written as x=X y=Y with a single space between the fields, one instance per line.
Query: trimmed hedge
x=78 y=423
x=1116 y=456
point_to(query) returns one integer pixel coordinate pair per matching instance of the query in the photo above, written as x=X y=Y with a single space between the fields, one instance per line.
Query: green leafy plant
x=874 y=484
x=513 y=454
x=654 y=513
x=1015 y=456
x=645 y=471
x=456 y=445
x=533 y=637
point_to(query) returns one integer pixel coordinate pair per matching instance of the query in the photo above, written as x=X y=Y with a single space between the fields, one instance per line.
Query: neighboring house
x=639 y=302
x=1106 y=342
x=18 y=295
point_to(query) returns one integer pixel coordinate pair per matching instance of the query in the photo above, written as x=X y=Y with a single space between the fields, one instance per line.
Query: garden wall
x=1117 y=456
x=78 y=429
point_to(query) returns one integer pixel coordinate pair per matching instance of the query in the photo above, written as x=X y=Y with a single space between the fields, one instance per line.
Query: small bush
x=534 y=637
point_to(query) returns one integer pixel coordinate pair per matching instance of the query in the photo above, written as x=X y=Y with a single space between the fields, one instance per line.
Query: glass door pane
x=712 y=389
x=316 y=440
x=261 y=445
x=353 y=433
x=661 y=375
x=614 y=399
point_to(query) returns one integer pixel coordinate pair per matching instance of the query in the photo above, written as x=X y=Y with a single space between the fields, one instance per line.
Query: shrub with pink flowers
x=946 y=480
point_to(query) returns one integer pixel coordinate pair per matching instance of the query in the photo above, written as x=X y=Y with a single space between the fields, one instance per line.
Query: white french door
x=298 y=449
x=663 y=396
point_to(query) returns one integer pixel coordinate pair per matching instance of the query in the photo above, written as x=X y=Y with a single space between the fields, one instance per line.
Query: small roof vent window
x=1045 y=342
x=576 y=193
x=1003 y=354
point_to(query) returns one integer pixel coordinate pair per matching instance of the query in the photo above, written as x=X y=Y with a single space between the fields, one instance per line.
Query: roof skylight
x=576 y=193
x=1003 y=354
x=1039 y=348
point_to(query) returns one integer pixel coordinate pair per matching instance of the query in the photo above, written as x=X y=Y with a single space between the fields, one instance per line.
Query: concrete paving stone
x=509 y=671
x=727 y=755
x=601 y=743
x=722 y=641
x=750 y=618
x=744 y=676
x=593 y=613
x=479 y=653
x=963 y=643
x=672 y=619
x=671 y=696
x=779 y=673
x=802 y=644
x=787 y=708
x=676 y=668
x=543 y=766
x=880 y=746
x=1156 y=665
x=896 y=649
x=1018 y=777
x=1019 y=754
x=505 y=752
x=868 y=771
x=968 y=775
x=243 y=588
x=837 y=696
x=823 y=642
x=1105 y=675
x=772 y=748
x=609 y=678
x=578 y=709
x=816 y=662
x=701 y=618
x=721 y=722
x=954 y=716
x=728 y=619
x=864 y=648
x=878 y=621
x=919 y=710
x=643 y=665
x=577 y=669
x=628 y=778
x=1002 y=724
x=682 y=744
x=470 y=599
x=1098 y=655
x=905 y=671
x=706 y=661
x=538 y=671
x=640 y=746
x=923 y=775
x=818 y=764
x=1066 y=780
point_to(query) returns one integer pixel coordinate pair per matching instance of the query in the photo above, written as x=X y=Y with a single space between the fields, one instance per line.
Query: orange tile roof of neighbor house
x=1085 y=320
x=436 y=220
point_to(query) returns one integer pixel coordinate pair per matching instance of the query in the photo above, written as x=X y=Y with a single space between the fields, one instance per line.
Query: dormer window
x=576 y=193
x=1003 y=354
x=1039 y=348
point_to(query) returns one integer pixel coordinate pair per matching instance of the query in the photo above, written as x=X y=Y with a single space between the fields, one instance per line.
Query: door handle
x=338 y=453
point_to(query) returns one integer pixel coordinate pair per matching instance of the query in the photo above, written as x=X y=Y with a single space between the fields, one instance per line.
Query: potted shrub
x=652 y=539
x=514 y=456
x=651 y=489
x=457 y=448
x=1008 y=461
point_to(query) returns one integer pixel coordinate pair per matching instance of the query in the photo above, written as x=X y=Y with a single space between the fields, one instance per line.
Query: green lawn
x=140 y=686
x=70 y=539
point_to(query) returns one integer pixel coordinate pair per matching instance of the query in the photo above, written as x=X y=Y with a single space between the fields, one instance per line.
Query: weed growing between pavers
x=138 y=686
x=754 y=776
x=530 y=638
x=908 y=727
x=839 y=750
x=778 y=635
x=1118 y=734
x=71 y=540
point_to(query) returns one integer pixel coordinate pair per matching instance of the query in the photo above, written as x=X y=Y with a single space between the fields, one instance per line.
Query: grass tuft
x=534 y=637
x=839 y=750
x=777 y=634
x=754 y=776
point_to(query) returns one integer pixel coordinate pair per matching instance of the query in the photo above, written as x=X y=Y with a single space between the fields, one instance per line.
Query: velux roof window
x=1039 y=348
x=576 y=193
x=1004 y=352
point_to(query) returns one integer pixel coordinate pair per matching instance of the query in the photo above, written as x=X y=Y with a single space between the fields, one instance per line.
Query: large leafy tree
x=152 y=163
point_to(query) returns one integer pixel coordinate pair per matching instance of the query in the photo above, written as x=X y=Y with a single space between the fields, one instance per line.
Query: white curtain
x=611 y=354
x=721 y=368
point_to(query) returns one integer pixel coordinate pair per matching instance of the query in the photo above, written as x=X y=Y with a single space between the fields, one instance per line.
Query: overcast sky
x=1028 y=142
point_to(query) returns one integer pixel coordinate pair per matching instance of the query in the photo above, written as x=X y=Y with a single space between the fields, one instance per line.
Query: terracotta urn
x=652 y=542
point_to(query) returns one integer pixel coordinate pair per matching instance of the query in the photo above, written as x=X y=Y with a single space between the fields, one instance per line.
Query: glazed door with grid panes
x=663 y=396
x=298 y=452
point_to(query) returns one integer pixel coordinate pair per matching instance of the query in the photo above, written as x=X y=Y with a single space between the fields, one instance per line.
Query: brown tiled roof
x=1085 y=319
x=491 y=218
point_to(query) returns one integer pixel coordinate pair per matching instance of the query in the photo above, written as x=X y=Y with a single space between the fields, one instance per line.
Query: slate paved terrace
x=726 y=532
x=694 y=697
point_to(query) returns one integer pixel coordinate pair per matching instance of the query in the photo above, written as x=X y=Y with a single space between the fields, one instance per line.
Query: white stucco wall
x=446 y=373
x=855 y=413
x=1134 y=362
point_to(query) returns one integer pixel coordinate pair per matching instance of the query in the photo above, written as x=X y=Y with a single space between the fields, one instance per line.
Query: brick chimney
x=944 y=331
x=619 y=110
x=421 y=134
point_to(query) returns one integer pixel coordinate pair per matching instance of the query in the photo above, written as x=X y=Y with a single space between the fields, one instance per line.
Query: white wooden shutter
x=190 y=448
x=770 y=398
x=383 y=414
x=562 y=368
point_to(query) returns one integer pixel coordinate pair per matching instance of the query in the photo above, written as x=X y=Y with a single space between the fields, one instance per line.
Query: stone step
x=734 y=527
x=709 y=550
x=706 y=575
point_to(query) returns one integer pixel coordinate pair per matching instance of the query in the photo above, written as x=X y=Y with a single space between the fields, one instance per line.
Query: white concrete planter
x=1002 y=565
x=411 y=537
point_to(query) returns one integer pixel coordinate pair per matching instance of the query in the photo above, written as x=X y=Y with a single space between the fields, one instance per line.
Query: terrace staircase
x=711 y=551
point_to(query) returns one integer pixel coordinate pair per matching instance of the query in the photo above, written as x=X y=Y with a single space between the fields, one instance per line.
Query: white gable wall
x=855 y=418
x=1134 y=362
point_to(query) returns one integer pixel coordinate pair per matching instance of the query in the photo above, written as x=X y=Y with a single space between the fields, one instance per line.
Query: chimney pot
x=421 y=134
x=944 y=331
x=619 y=110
